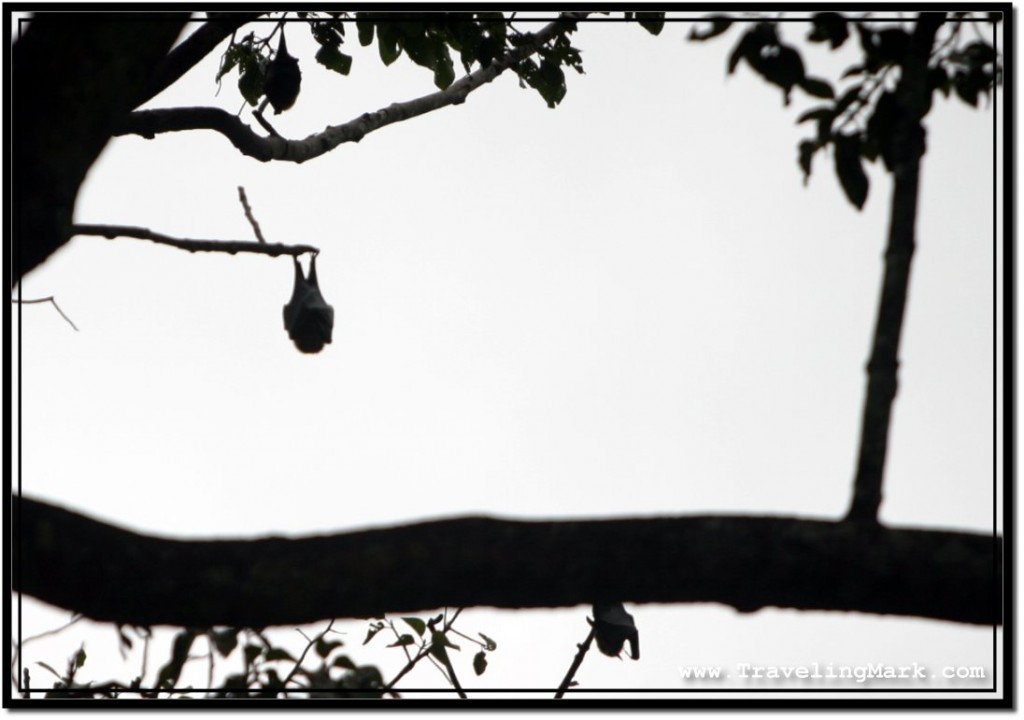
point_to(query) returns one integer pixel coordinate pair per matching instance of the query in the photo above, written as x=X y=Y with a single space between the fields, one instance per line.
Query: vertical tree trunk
x=913 y=97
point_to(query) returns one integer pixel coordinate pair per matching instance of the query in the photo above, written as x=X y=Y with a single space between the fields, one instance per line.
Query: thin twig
x=423 y=652
x=576 y=662
x=226 y=246
x=248 y=215
x=50 y=300
x=298 y=663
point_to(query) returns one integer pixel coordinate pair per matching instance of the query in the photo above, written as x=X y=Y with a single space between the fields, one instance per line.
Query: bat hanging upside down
x=308 y=318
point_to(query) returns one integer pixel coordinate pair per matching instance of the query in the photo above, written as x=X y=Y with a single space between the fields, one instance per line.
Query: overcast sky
x=627 y=306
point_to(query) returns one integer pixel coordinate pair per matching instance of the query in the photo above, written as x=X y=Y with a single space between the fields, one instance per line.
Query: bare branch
x=248 y=214
x=576 y=662
x=50 y=300
x=149 y=123
x=226 y=246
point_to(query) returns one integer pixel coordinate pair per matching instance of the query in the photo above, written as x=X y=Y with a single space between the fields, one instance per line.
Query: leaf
x=480 y=662
x=334 y=59
x=893 y=44
x=817 y=88
x=850 y=169
x=225 y=641
x=883 y=126
x=807 y=150
x=444 y=69
x=746 y=48
x=416 y=624
x=437 y=647
x=251 y=653
x=403 y=640
x=179 y=655
x=250 y=84
x=830 y=26
x=847 y=99
x=374 y=629
x=387 y=43
x=490 y=644
x=47 y=667
x=652 y=22
x=816 y=114
x=324 y=647
x=277 y=653
x=365 y=28
x=343 y=661
x=719 y=24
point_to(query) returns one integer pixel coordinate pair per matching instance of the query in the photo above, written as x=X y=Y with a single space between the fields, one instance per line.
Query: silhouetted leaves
x=170 y=672
x=719 y=24
x=480 y=662
x=829 y=26
x=807 y=150
x=817 y=88
x=850 y=169
x=333 y=59
x=777 y=63
x=884 y=47
x=225 y=641
x=652 y=22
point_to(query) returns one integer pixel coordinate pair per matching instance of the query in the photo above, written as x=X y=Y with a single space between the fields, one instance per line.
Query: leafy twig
x=314 y=641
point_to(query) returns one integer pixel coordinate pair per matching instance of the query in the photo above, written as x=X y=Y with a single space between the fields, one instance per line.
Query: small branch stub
x=249 y=216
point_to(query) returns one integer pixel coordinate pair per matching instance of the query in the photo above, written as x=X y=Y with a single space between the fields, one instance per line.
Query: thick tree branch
x=149 y=123
x=226 y=246
x=74 y=76
x=110 y=574
x=912 y=94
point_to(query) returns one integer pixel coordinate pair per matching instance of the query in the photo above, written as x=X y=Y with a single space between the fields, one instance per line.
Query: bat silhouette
x=283 y=79
x=613 y=626
x=308 y=318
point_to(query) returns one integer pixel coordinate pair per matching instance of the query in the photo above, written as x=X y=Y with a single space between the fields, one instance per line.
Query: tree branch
x=581 y=652
x=111 y=574
x=149 y=123
x=912 y=94
x=50 y=300
x=92 y=66
x=226 y=246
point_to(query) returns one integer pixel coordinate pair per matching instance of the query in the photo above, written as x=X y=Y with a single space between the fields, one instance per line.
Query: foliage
x=432 y=40
x=271 y=671
x=864 y=120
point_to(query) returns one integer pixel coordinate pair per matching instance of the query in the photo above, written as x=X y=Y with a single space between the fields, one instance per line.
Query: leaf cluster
x=432 y=40
x=868 y=119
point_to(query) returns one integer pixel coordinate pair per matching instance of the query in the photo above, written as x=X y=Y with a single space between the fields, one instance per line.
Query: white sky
x=626 y=306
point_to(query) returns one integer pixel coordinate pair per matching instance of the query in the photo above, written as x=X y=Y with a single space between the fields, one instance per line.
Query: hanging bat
x=308 y=318
x=613 y=626
x=283 y=79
